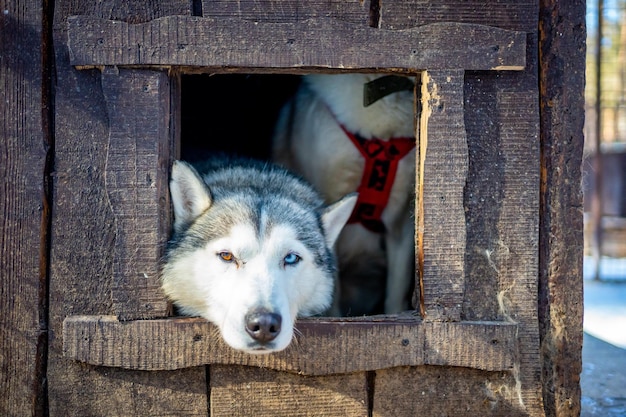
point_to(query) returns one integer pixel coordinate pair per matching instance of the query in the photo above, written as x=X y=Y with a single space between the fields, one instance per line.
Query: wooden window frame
x=140 y=69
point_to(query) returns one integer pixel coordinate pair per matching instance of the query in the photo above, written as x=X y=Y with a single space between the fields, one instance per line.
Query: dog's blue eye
x=291 y=259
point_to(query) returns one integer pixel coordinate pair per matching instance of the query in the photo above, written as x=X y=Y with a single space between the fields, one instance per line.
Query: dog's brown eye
x=226 y=256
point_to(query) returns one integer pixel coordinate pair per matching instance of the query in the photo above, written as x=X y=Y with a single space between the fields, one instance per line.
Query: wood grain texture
x=502 y=201
x=24 y=212
x=280 y=11
x=393 y=14
x=320 y=43
x=185 y=342
x=437 y=391
x=240 y=391
x=562 y=80
x=139 y=154
x=519 y=15
x=82 y=254
x=133 y=11
x=484 y=194
x=442 y=174
x=101 y=391
x=515 y=254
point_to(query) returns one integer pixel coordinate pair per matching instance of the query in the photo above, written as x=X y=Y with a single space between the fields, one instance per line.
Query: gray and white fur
x=251 y=250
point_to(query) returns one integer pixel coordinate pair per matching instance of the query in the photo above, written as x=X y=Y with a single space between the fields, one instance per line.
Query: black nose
x=262 y=325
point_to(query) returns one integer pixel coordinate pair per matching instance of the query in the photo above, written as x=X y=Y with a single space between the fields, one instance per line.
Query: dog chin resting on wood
x=251 y=250
x=355 y=132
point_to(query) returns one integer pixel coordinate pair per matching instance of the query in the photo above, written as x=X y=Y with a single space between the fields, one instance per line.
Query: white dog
x=251 y=250
x=327 y=134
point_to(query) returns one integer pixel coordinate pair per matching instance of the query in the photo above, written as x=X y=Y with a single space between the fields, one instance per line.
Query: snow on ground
x=605 y=301
x=603 y=379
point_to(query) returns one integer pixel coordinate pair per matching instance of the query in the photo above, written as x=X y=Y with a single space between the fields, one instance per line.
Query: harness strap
x=381 y=164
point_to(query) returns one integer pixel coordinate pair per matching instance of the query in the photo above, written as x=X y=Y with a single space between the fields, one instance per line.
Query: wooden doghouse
x=497 y=330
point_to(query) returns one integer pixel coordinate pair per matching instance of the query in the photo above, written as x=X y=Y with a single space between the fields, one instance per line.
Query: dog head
x=250 y=252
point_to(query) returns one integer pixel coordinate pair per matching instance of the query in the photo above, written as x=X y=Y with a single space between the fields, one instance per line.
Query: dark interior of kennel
x=231 y=113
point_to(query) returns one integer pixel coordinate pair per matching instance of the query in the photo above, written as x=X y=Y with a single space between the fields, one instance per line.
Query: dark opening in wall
x=232 y=113
x=236 y=114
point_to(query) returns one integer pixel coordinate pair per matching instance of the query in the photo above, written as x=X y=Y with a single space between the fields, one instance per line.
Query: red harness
x=381 y=164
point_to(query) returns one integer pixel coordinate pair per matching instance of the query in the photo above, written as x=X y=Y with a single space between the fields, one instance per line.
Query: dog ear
x=336 y=215
x=190 y=195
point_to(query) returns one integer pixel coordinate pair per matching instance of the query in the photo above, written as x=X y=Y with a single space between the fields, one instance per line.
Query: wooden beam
x=281 y=11
x=373 y=344
x=229 y=43
x=242 y=391
x=445 y=391
x=562 y=110
x=502 y=199
x=26 y=159
x=441 y=179
x=518 y=15
x=139 y=154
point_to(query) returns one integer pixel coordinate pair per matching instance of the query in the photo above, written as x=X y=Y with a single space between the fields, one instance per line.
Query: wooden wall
x=62 y=243
x=90 y=267
x=26 y=152
x=562 y=76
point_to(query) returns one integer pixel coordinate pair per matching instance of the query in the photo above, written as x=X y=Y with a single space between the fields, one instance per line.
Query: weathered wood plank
x=185 y=342
x=439 y=391
x=133 y=11
x=319 y=43
x=520 y=15
x=562 y=81
x=502 y=203
x=516 y=254
x=483 y=195
x=25 y=149
x=239 y=391
x=393 y=14
x=442 y=175
x=280 y=11
x=82 y=250
x=101 y=391
x=139 y=154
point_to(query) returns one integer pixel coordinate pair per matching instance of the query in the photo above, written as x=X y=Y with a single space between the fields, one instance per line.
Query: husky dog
x=251 y=250
x=339 y=143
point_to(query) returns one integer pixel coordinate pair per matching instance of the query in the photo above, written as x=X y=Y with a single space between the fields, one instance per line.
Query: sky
x=611 y=12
